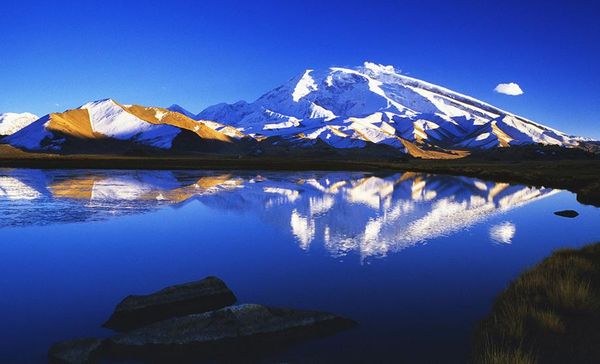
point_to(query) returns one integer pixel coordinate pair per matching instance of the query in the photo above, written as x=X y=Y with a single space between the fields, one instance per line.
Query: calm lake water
x=415 y=259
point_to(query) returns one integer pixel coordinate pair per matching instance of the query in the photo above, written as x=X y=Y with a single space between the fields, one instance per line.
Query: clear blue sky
x=56 y=55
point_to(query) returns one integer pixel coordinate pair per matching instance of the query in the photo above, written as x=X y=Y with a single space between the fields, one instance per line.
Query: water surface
x=416 y=259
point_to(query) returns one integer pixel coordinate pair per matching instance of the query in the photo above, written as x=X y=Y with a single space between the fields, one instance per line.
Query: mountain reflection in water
x=371 y=214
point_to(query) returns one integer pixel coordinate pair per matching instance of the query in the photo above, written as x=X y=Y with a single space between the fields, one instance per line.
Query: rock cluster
x=205 y=295
x=194 y=321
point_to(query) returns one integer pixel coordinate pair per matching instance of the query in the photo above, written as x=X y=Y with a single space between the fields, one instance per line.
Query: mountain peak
x=379 y=68
x=11 y=122
x=102 y=103
x=180 y=109
x=374 y=103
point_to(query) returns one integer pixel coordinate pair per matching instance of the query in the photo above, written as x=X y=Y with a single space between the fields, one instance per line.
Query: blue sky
x=60 y=54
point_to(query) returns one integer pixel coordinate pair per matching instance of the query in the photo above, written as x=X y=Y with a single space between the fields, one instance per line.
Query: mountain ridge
x=357 y=99
x=367 y=107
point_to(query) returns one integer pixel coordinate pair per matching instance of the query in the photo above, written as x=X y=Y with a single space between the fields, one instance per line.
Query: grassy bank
x=579 y=176
x=550 y=314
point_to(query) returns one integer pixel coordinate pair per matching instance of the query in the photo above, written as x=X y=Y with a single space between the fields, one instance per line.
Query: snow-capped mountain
x=371 y=106
x=180 y=109
x=351 y=107
x=11 y=122
x=109 y=120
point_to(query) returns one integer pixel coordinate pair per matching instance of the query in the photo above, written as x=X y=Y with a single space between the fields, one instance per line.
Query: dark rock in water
x=205 y=295
x=228 y=331
x=78 y=351
x=188 y=322
x=567 y=213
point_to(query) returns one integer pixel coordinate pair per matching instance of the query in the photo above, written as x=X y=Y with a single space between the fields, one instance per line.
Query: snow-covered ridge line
x=468 y=99
x=107 y=120
x=371 y=106
x=375 y=104
x=443 y=91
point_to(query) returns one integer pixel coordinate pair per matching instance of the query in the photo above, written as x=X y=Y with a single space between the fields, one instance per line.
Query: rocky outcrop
x=78 y=351
x=133 y=312
x=190 y=322
x=224 y=331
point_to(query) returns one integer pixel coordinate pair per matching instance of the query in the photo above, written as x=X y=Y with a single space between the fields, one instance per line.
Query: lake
x=415 y=259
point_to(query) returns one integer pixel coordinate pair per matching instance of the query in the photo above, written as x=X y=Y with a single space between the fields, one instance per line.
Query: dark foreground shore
x=581 y=176
x=547 y=315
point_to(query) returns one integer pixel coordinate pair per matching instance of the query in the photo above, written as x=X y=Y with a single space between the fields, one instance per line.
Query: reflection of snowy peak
x=374 y=215
x=348 y=212
x=347 y=107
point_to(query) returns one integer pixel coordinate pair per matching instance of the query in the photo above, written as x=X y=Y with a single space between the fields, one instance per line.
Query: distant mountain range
x=372 y=107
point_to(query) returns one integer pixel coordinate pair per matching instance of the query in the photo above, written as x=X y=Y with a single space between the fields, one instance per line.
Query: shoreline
x=581 y=176
x=548 y=314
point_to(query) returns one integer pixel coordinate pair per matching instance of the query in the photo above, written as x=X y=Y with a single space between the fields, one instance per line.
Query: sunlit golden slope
x=503 y=138
x=73 y=122
x=158 y=115
x=107 y=119
x=419 y=152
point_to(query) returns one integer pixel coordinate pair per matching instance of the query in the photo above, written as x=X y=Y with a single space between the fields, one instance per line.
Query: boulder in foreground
x=230 y=330
x=205 y=295
x=78 y=351
x=567 y=213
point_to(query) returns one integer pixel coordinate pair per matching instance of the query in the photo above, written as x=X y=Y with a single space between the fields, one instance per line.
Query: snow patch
x=110 y=119
x=305 y=86
x=11 y=122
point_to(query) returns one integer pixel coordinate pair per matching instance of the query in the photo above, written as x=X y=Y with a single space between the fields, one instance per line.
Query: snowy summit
x=371 y=106
x=350 y=107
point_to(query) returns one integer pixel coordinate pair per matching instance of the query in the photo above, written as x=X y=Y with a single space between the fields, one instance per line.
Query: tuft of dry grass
x=499 y=354
x=550 y=314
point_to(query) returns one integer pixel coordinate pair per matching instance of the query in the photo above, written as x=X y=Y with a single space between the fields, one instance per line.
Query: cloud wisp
x=511 y=89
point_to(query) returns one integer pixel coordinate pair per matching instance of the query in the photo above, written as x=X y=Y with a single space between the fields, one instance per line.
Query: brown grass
x=550 y=314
